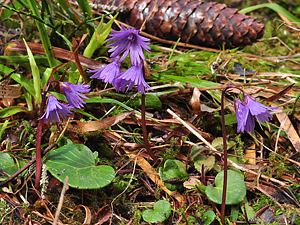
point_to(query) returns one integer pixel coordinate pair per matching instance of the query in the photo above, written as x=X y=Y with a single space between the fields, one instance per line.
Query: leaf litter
x=188 y=87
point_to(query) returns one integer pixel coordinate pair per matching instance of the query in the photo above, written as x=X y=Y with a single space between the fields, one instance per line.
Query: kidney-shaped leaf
x=78 y=162
x=236 y=188
x=160 y=212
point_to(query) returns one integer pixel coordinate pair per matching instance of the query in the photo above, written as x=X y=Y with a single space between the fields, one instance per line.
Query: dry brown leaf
x=276 y=97
x=104 y=214
x=288 y=128
x=274 y=193
x=195 y=101
x=59 y=53
x=7 y=102
x=88 y=214
x=177 y=132
x=76 y=56
x=191 y=183
x=251 y=153
x=101 y=124
x=8 y=91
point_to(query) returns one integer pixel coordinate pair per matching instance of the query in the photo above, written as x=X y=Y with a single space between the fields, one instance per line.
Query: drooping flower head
x=247 y=110
x=108 y=73
x=133 y=76
x=259 y=110
x=244 y=119
x=71 y=91
x=55 y=110
x=129 y=41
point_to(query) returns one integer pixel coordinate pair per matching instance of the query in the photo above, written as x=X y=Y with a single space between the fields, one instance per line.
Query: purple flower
x=133 y=76
x=129 y=41
x=244 y=119
x=71 y=91
x=247 y=110
x=55 y=110
x=108 y=73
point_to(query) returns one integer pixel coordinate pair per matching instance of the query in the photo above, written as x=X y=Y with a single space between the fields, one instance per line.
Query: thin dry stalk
x=61 y=199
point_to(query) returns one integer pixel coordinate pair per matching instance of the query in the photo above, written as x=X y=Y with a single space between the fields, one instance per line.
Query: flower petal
x=133 y=76
x=129 y=41
x=108 y=73
x=55 y=110
x=242 y=113
x=71 y=91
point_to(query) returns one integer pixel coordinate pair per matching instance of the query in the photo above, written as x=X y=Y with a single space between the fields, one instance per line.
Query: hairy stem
x=225 y=157
x=144 y=128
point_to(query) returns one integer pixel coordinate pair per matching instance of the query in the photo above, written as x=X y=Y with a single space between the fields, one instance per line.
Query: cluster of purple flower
x=55 y=109
x=127 y=41
x=247 y=110
x=130 y=42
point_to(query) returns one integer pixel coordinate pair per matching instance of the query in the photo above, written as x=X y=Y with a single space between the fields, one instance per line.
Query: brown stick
x=61 y=200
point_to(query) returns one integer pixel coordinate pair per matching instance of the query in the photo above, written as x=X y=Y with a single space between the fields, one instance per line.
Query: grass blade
x=44 y=36
x=277 y=8
x=36 y=76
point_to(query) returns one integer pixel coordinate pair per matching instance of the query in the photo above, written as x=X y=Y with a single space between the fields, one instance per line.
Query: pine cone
x=196 y=22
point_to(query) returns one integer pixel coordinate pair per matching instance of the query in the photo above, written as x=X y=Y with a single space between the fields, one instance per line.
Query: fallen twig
x=61 y=199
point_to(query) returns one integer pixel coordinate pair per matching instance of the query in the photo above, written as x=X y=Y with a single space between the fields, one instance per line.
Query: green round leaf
x=151 y=101
x=207 y=161
x=208 y=217
x=173 y=169
x=8 y=164
x=160 y=212
x=236 y=188
x=78 y=162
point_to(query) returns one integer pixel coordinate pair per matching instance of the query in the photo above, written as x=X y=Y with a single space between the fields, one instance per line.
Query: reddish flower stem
x=223 y=206
x=144 y=128
x=38 y=155
x=38 y=149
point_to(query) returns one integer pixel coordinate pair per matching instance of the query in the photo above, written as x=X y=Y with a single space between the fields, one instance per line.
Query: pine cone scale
x=202 y=23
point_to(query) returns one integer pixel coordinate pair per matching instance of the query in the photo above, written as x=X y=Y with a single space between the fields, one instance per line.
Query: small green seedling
x=173 y=174
x=160 y=212
x=208 y=217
